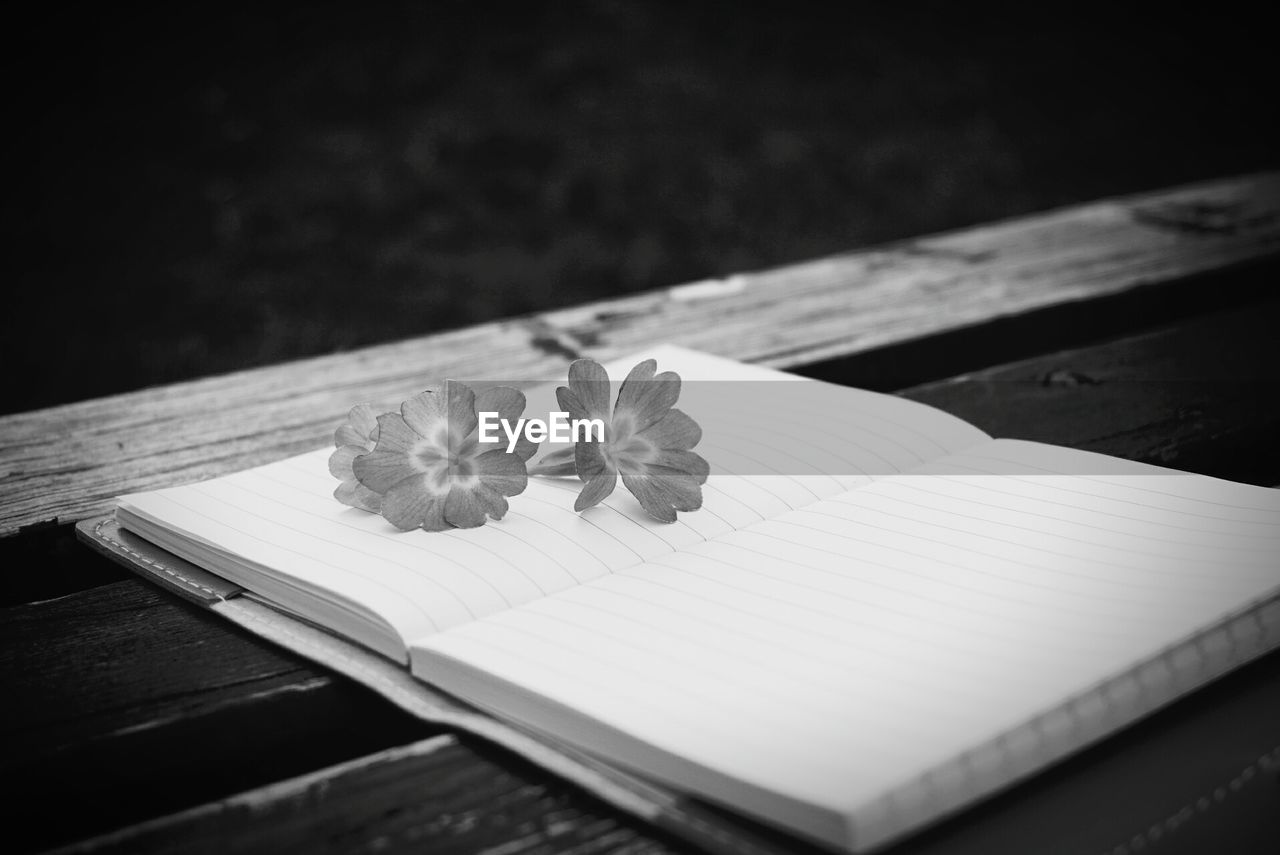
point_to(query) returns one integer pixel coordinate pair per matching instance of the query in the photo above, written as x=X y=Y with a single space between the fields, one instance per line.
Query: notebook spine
x=150 y=561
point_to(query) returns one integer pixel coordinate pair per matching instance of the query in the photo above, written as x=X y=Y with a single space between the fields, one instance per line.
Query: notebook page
x=776 y=441
x=835 y=653
x=281 y=520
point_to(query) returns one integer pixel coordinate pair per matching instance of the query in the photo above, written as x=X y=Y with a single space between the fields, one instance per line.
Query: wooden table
x=1144 y=327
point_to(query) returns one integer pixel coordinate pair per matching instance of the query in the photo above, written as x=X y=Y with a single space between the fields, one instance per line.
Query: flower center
x=442 y=462
x=461 y=467
x=628 y=454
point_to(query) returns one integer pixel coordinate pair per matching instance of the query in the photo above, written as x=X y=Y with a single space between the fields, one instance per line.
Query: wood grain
x=434 y=796
x=1203 y=396
x=68 y=462
x=124 y=702
x=186 y=699
x=443 y=796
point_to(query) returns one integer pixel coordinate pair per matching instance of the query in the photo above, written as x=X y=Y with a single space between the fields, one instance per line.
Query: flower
x=429 y=466
x=353 y=439
x=645 y=440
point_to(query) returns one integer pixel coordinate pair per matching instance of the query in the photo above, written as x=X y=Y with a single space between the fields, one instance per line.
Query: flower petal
x=413 y=503
x=507 y=402
x=495 y=504
x=394 y=434
x=366 y=499
x=356 y=495
x=525 y=448
x=690 y=463
x=502 y=472
x=363 y=418
x=634 y=382
x=462 y=413
x=347 y=435
x=360 y=428
x=346 y=492
x=596 y=490
x=589 y=459
x=684 y=492
x=676 y=431
x=640 y=374
x=426 y=413
x=570 y=404
x=382 y=470
x=557 y=464
x=463 y=508
x=651 y=498
x=444 y=413
x=646 y=399
x=342 y=458
x=589 y=382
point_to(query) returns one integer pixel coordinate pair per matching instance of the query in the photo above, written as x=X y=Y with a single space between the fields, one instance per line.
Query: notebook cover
x=711 y=830
x=1204 y=772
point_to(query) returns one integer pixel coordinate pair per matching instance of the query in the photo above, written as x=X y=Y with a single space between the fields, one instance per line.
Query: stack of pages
x=847 y=654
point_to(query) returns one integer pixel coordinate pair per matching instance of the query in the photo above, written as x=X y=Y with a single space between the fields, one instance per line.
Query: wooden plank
x=446 y=797
x=436 y=795
x=68 y=462
x=126 y=702
x=54 y=564
x=184 y=672
x=1204 y=397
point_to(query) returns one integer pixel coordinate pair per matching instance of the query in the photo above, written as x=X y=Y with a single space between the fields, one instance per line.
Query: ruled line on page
x=339 y=573
x=816 y=623
x=554 y=517
x=919 y=506
x=374 y=542
x=512 y=520
x=1054 y=483
x=473 y=543
x=758 y=639
x=809 y=427
x=1164 y=576
x=1021 y=455
x=613 y=683
x=815 y=581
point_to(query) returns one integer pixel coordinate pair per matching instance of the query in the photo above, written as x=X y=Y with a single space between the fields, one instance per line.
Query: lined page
x=776 y=441
x=840 y=649
x=280 y=521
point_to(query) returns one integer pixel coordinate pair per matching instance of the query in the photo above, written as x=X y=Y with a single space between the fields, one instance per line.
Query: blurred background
x=196 y=187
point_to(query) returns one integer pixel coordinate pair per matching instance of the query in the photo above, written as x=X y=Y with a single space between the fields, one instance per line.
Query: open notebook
x=847 y=656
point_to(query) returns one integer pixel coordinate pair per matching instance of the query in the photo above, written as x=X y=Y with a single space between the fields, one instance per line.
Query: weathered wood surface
x=166 y=707
x=126 y=703
x=68 y=462
x=441 y=796
x=433 y=796
x=1202 y=396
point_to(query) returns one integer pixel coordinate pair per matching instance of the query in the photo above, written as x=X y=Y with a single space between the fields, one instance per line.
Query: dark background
x=200 y=189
